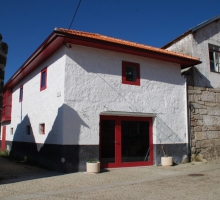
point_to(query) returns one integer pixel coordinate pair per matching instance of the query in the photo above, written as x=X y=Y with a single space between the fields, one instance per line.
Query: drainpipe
x=188 y=124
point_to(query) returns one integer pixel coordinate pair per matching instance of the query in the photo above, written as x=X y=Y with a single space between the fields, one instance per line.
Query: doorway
x=125 y=141
x=3 y=137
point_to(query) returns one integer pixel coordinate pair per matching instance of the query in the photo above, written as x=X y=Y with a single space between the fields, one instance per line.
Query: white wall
x=196 y=44
x=39 y=106
x=93 y=85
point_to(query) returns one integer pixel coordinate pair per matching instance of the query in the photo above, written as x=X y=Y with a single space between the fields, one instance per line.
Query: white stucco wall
x=39 y=106
x=93 y=84
x=196 y=44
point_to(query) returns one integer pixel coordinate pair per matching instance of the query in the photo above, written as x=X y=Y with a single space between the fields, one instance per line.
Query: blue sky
x=25 y=24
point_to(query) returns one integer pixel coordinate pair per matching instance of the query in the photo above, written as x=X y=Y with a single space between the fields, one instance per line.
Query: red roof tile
x=124 y=42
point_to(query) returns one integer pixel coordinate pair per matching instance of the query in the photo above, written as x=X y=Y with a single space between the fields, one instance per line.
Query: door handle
x=116 y=142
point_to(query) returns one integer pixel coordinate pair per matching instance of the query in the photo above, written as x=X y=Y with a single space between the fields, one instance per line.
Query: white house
x=203 y=41
x=82 y=95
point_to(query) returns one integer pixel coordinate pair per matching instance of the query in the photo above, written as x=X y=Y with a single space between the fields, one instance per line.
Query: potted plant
x=166 y=160
x=92 y=166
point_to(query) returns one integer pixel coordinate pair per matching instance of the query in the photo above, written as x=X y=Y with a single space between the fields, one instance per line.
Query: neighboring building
x=3 y=59
x=81 y=96
x=203 y=41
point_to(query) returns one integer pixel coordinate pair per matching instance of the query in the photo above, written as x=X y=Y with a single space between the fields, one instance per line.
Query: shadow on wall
x=53 y=153
x=173 y=144
x=208 y=32
x=196 y=78
x=152 y=70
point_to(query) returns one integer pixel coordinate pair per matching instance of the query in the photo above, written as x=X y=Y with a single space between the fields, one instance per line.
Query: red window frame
x=43 y=79
x=7 y=105
x=126 y=64
x=21 y=92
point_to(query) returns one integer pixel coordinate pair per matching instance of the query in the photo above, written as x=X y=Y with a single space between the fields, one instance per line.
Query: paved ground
x=185 y=181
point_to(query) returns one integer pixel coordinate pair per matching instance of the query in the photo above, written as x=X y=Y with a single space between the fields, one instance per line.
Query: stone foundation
x=204 y=106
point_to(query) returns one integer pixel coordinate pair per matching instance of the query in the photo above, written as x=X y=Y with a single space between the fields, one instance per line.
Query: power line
x=74 y=15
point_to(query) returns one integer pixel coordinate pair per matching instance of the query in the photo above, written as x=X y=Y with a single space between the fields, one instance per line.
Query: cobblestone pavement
x=184 y=181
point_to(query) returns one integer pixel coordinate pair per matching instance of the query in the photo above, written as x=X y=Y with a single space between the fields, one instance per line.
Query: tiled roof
x=124 y=42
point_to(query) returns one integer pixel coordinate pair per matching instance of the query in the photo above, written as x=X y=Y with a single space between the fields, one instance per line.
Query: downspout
x=188 y=123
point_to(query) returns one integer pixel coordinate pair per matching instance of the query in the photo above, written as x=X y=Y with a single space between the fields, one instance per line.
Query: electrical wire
x=74 y=14
x=68 y=45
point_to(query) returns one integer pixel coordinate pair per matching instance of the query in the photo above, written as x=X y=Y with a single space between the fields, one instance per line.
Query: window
x=21 y=94
x=28 y=129
x=130 y=73
x=12 y=131
x=43 y=79
x=6 y=108
x=214 y=55
x=42 y=128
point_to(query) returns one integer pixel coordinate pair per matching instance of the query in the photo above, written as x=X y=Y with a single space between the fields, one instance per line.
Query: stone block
x=199 y=106
x=217 y=142
x=197 y=97
x=205 y=143
x=199 y=88
x=212 y=134
x=213 y=128
x=198 y=128
x=194 y=92
x=208 y=96
x=193 y=123
x=200 y=136
x=211 y=120
x=193 y=150
x=211 y=104
x=218 y=98
x=193 y=143
x=213 y=110
x=199 y=122
x=204 y=128
x=198 y=144
x=203 y=111
x=197 y=117
x=216 y=90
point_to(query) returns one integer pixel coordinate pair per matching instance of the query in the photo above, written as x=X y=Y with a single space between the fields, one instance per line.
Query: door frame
x=118 y=150
x=3 y=143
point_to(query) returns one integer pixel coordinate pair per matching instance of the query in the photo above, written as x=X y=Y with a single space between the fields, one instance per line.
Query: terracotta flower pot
x=166 y=161
x=93 y=168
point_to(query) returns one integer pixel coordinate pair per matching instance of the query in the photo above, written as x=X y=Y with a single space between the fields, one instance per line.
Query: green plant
x=92 y=160
x=4 y=153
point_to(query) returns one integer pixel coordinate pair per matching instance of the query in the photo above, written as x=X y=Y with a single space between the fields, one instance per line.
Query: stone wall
x=3 y=59
x=204 y=104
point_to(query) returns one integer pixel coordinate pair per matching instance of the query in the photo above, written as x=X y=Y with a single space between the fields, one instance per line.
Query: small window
x=42 y=128
x=12 y=131
x=130 y=73
x=214 y=55
x=28 y=130
x=43 y=79
x=21 y=94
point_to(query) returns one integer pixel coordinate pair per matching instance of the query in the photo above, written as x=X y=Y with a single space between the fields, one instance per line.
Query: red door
x=125 y=141
x=3 y=137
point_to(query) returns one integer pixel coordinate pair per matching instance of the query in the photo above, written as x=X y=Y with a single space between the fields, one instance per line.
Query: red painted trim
x=56 y=39
x=3 y=137
x=137 y=66
x=21 y=93
x=118 y=162
x=7 y=105
x=43 y=87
